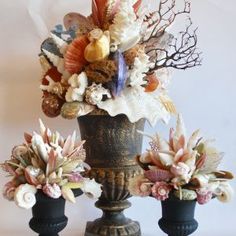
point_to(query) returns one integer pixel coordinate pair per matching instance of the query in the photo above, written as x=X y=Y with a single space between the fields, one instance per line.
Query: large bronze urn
x=111 y=146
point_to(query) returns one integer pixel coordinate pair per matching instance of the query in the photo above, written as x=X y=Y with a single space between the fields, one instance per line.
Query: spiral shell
x=25 y=196
x=227 y=192
x=74 y=57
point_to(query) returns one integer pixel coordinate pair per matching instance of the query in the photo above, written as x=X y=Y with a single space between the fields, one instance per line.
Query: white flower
x=91 y=188
x=25 y=196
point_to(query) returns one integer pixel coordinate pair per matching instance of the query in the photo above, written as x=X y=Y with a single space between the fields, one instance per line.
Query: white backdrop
x=206 y=97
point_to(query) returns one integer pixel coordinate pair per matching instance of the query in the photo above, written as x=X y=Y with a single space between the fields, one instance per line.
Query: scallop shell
x=158 y=175
x=51 y=105
x=74 y=56
x=71 y=110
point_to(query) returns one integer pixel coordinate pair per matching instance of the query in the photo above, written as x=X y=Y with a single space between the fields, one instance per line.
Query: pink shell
x=74 y=57
x=158 y=175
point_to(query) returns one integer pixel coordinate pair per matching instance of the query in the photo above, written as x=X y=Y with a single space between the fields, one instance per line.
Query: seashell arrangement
x=187 y=169
x=122 y=48
x=50 y=163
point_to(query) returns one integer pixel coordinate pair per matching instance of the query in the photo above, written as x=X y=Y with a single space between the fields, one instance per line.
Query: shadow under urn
x=178 y=217
x=111 y=145
x=49 y=214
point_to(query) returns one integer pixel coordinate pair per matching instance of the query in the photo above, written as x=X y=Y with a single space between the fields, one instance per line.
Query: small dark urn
x=49 y=215
x=178 y=217
x=111 y=146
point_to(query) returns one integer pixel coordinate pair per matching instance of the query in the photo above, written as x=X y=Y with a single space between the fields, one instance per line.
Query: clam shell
x=74 y=56
x=71 y=110
x=136 y=105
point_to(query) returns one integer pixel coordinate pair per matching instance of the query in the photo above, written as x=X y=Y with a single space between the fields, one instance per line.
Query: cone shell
x=74 y=57
x=51 y=105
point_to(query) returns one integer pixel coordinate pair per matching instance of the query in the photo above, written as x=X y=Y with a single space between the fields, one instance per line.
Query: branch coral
x=157 y=22
x=181 y=54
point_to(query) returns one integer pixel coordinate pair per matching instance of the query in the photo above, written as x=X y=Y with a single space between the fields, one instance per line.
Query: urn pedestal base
x=113 y=221
x=111 y=146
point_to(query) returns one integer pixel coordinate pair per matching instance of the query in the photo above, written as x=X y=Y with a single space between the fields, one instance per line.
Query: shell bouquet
x=116 y=60
x=48 y=163
x=186 y=169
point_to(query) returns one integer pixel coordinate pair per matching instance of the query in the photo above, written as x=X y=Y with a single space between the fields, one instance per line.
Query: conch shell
x=99 y=47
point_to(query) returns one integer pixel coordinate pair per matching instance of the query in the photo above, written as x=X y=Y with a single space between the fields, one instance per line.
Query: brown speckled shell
x=101 y=71
x=51 y=105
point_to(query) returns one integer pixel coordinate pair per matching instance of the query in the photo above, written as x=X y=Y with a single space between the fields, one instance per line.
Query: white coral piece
x=78 y=85
x=137 y=73
x=95 y=94
x=126 y=27
x=25 y=196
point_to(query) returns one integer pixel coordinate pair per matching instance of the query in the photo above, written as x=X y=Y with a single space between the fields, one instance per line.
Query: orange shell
x=74 y=57
x=152 y=84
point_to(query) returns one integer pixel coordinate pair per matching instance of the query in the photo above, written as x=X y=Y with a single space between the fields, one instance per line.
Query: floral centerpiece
x=50 y=163
x=181 y=167
x=116 y=60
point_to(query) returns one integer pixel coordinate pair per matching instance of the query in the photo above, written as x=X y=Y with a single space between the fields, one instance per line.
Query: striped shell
x=74 y=57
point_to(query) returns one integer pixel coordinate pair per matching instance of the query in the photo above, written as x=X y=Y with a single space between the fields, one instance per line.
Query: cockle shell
x=158 y=175
x=71 y=110
x=51 y=105
x=99 y=46
x=74 y=56
x=25 y=196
